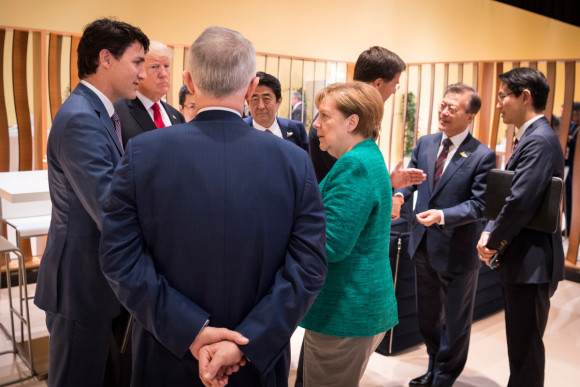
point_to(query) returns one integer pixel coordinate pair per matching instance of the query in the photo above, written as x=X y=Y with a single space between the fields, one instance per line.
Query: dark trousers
x=526 y=314
x=86 y=353
x=445 y=304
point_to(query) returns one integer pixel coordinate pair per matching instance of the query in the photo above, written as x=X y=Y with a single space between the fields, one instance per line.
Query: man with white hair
x=216 y=254
x=296 y=101
x=147 y=111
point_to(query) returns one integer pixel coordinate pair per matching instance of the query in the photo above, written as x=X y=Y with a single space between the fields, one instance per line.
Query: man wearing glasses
x=147 y=111
x=531 y=263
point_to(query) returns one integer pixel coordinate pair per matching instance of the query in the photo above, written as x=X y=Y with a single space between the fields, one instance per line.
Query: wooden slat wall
x=4 y=139
x=48 y=70
x=20 y=47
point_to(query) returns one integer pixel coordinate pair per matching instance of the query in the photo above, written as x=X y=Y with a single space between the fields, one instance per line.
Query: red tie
x=157 y=116
x=515 y=143
x=441 y=161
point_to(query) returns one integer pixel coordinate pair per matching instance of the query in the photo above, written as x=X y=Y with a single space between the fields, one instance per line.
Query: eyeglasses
x=451 y=110
x=501 y=96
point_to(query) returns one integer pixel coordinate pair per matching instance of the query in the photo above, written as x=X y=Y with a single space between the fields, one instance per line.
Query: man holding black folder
x=531 y=262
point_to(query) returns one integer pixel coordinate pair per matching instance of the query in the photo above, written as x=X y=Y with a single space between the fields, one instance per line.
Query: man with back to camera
x=83 y=149
x=531 y=263
x=191 y=242
x=186 y=104
x=147 y=111
x=444 y=232
x=264 y=104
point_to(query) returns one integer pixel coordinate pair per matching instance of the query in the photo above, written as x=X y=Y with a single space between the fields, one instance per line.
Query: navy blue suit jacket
x=136 y=120
x=529 y=256
x=459 y=194
x=83 y=150
x=292 y=131
x=202 y=225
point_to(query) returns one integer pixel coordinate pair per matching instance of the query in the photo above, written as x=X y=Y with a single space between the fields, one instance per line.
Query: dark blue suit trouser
x=86 y=352
x=445 y=304
x=526 y=316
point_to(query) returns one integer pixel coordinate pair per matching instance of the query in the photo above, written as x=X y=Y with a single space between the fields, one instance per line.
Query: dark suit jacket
x=83 y=150
x=297 y=113
x=529 y=256
x=136 y=120
x=459 y=193
x=292 y=131
x=202 y=225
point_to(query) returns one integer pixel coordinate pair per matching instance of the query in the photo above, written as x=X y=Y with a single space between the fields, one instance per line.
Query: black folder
x=499 y=187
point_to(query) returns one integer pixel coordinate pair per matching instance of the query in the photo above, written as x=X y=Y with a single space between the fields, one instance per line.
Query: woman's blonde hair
x=357 y=98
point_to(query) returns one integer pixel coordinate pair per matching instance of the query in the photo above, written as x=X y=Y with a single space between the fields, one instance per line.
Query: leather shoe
x=423 y=380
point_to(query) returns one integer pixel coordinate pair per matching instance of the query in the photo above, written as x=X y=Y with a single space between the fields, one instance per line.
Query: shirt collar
x=108 y=104
x=220 y=108
x=148 y=103
x=457 y=139
x=272 y=127
x=528 y=123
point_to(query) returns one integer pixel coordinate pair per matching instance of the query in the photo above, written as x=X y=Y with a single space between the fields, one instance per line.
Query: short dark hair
x=377 y=62
x=183 y=92
x=525 y=78
x=108 y=34
x=474 y=101
x=270 y=81
x=576 y=106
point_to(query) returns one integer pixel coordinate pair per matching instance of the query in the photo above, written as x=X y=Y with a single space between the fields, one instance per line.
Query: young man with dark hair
x=264 y=104
x=531 y=263
x=83 y=149
x=376 y=66
x=186 y=103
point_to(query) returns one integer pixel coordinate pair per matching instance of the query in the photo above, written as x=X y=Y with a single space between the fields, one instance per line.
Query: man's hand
x=397 y=203
x=209 y=335
x=401 y=178
x=484 y=253
x=429 y=217
x=218 y=361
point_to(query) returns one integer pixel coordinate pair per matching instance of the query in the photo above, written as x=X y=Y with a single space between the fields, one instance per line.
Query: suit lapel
x=432 y=158
x=139 y=112
x=521 y=143
x=461 y=154
x=101 y=112
x=172 y=116
x=283 y=129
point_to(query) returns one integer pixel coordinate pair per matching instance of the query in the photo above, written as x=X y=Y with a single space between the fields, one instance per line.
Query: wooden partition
x=409 y=114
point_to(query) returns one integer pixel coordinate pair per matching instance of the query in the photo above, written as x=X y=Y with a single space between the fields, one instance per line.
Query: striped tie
x=441 y=161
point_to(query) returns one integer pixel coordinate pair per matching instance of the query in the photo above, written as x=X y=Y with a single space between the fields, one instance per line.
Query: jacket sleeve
x=472 y=209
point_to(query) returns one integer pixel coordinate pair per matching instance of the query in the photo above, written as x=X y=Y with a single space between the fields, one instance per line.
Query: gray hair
x=221 y=62
x=297 y=95
x=159 y=49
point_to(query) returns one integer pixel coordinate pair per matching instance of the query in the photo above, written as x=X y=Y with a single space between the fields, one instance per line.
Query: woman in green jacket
x=357 y=303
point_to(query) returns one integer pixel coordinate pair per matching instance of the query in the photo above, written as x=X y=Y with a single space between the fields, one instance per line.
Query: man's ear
x=377 y=83
x=105 y=58
x=188 y=82
x=251 y=88
x=526 y=96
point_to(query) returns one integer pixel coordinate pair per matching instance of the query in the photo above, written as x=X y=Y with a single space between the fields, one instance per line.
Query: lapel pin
x=463 y=154
x=288 y=134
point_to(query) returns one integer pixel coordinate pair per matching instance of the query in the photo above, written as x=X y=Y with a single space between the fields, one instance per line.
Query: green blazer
x=357 y=298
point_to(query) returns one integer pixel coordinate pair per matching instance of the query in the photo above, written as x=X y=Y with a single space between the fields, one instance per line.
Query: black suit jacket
x=529 y=256
x=459 y=194
x=292 y=131
x=135 y=119
x=297 y=113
